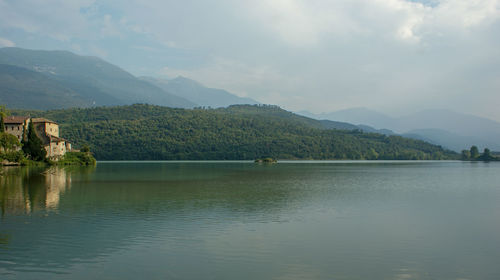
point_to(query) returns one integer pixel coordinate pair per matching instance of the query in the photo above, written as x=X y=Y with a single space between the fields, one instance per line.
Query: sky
x=394 y=56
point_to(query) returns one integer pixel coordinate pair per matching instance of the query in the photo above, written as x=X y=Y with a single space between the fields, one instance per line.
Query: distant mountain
x=198 y=93
x=450 y=140
x=449 y=129
x=367 y=128
x=329 y=121
x=23 y=88
x=457 y=123
x=90 y=80
x=355 y=116
x=328 y=124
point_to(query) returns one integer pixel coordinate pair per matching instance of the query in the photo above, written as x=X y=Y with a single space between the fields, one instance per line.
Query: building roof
x=56 y=139
x=15 y=119
x=42 y=120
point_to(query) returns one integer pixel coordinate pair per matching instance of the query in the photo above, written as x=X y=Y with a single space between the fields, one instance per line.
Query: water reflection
x=245 y=221
x=25 y=190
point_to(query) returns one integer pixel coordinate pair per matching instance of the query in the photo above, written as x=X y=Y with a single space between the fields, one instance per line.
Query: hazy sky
x=395 y=56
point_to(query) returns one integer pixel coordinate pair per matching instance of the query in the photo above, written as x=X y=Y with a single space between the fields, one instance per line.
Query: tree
x=465 y=154
x=8 y=142
x=2 y=124
x=3 y=111
x=486 y=153
x=33 y=146
x=474 y=152
x=85 y=148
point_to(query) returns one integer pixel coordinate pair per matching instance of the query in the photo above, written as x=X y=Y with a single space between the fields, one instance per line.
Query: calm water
x=239 y=220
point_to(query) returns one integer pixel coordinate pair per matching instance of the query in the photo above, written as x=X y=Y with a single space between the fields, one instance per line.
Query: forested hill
x=146 y=132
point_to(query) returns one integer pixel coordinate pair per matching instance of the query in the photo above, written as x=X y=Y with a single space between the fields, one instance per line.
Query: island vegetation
x=238 y=132
x=473 y=155
x=265 y=160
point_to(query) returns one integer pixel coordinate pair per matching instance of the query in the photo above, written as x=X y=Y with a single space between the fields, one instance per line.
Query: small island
x=35 y=141
x=266 y=160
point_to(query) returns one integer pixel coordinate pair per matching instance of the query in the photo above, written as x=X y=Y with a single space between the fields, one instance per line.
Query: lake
x=240 y=220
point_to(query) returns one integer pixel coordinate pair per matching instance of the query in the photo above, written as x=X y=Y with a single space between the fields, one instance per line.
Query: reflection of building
x=56 y=182
x=22 y=191
x=46 y=130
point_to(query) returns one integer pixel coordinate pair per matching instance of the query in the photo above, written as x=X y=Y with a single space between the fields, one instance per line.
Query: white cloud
x=109 y=28
x=467 y=13
x=237 y=77
x=319 y=55
x=98 y=51
x=57 y=19
x=6 y=43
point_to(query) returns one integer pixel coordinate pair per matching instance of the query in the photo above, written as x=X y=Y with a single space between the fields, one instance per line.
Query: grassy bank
x=70 y=158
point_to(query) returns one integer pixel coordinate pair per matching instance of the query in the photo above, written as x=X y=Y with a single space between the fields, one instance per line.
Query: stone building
x=46 y=130
x=15 y=125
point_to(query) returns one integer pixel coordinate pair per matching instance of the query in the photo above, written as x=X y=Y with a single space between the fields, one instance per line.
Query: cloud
x=6 y=43
x=57 y=19
x=319 y=55
x=109 y=28
x=237 y=77
x=97 y=51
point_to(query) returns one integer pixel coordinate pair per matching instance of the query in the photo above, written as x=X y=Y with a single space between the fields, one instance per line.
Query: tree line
x=238 y=132
x=473 y=154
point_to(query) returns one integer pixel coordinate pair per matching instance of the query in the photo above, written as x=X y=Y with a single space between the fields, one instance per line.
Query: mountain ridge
x=198 y=93
x=95 y=80
x=443 y=127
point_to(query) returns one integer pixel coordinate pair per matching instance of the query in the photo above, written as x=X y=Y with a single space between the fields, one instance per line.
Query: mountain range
x=449 y=129
x=36 y=79
x=199 y=94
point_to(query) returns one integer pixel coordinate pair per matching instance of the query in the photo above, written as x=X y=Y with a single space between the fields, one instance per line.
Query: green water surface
x=240 y=220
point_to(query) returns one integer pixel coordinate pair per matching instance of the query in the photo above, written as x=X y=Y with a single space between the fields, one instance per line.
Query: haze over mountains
x=450 y=129
x=35 y=79
x=199 y=94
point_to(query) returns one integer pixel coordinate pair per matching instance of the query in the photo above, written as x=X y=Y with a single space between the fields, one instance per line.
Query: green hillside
x=146 y=132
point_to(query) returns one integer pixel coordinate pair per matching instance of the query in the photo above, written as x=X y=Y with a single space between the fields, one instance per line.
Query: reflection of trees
x=14 y=198
x=25 y=190
x=122 y=203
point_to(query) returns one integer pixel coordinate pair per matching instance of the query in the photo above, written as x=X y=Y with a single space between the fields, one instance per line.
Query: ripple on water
x=291 y=221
